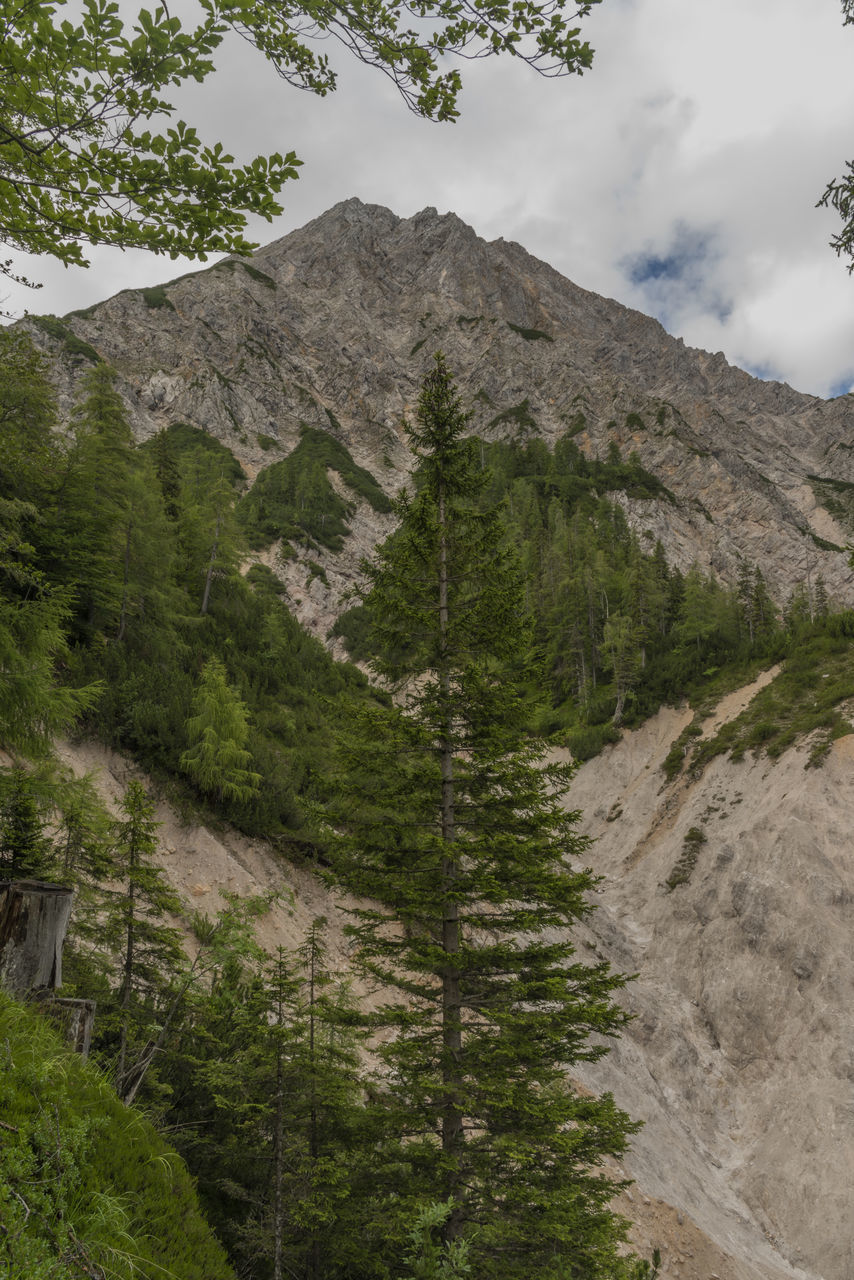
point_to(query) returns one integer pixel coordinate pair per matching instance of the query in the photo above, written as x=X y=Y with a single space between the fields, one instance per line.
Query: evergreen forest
x=243 y=1113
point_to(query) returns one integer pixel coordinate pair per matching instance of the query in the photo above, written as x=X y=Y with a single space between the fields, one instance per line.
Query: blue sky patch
x=680 y=278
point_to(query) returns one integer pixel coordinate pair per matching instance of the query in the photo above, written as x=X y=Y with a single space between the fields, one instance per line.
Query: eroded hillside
x=739 y=1058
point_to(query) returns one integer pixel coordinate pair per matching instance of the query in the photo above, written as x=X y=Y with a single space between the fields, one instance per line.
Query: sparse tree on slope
x=150 y=949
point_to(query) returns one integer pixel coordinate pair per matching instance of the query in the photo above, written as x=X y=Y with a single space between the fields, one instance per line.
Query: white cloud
x=698 y=144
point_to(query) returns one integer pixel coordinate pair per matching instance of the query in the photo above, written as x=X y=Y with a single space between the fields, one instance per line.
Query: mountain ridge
x=334 y=326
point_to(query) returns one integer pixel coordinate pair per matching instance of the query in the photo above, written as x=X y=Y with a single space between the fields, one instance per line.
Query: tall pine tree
x=453 y=822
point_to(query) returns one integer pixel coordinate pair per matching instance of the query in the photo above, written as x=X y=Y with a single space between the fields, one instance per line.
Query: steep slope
x=87 y=1186
x=739 y=1057
x=334 y=325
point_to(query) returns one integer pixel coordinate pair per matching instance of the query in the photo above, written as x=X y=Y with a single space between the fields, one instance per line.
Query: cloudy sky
x=679 y=175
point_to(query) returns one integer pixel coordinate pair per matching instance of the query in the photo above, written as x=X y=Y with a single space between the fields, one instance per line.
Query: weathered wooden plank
x=76 y=1017
x=33 y=920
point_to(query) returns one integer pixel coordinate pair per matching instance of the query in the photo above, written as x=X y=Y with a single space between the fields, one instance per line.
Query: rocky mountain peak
x=335 y=324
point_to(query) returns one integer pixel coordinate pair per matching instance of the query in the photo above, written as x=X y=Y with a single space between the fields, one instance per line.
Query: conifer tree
x=210 y=538
x=117 y=555
x=621 y=644
x=26 y=850
x=455 y=824
x=33 y=614
x=217 y=759
x=286 y=1157
x=150 y=949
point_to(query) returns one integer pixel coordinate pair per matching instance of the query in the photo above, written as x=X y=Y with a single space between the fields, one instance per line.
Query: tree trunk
x=123 y=616
x=452 y=1034
x=33 y=920
x=211 y=564
x=313 y=1135
x=279 y=1138
x=127 y=981
x=76 y=1018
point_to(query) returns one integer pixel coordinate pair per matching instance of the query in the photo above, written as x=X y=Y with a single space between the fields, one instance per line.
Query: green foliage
x=267 y=442
x=89 y=158
x=260 y=276
x=530 y=335
x=34 y=706
x=26 y=850
x=807 y=696
x=56 y=328
x=34 y=612
x=450 y=821
x=133 y=927
x=519 y=414
x=217 y=759
x=186 y=442
x=837 y=496
x=112 y=551
x=86 y=1186
x=106 y=551
x=294 y=499
x=429 y=1257
x=675 y=758
x=286 y=1155
x=156 y=298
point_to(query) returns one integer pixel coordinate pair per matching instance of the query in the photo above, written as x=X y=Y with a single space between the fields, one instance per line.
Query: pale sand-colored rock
x=740 y=1058
x=200 y=862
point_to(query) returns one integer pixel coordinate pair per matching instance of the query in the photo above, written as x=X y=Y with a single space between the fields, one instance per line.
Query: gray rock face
x=335 y=325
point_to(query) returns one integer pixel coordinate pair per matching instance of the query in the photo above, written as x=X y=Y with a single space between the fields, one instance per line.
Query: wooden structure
x=76 y=1017
x=33 y=920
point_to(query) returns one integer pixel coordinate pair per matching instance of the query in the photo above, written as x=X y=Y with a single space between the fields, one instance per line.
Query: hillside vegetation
x=87 y=1186
x=619 y=633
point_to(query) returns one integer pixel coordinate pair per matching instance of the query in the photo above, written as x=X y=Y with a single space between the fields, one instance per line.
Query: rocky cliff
x=335 y=325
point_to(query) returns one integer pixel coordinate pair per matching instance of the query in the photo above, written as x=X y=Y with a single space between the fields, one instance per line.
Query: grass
x=260 y=277
x=87 y=1187
x=807 y=697
x=156 y=298
x=59 y=330
x=694 y=840
x=520 y=414
x=185 y=439
x=294 y=500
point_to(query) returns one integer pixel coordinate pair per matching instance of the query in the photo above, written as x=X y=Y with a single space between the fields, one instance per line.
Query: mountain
x=334 y=326
x=727 y=888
